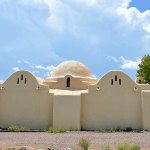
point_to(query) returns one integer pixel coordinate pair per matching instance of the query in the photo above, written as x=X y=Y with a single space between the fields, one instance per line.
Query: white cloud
x=15 y=68
x=36 y=71
x=113 y=58
x=135 y=18
x=27 y=62
x=1 y=81
x=66 y=17
x=128 y=64
x=95 y=76
x=48 y=74
x=32 y=65
x=19 y=61
x=49 y=68
x=147 y=27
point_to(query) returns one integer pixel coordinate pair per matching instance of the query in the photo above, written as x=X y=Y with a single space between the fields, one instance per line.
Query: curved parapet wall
x=115 y=100
x=117 y=79
x=20 y=76
x=23 y=101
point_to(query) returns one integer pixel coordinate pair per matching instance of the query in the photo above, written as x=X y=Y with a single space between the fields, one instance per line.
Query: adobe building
x=73 y=98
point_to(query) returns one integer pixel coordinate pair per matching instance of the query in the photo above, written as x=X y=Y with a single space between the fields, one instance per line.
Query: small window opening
x=17 y=80
x=22 y=77
x=111 y=81
x=119 y=81
x=115 y=77
x=25 y=80
x=68 y=82
x=98 y=88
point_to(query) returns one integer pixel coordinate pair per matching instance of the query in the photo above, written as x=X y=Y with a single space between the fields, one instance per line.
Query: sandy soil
x=43 y=140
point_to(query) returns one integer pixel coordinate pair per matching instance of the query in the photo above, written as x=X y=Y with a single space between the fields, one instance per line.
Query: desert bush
x=135 y=147
x=77 y=129
x=111 y=130
x=102 y=130
x=16 y=128
x=118 y=129
x=127 y=146
x=129 y=129
x=58 y=130
x=25 y=128
x=13 y=128
x=123 y=146
x=84 y=143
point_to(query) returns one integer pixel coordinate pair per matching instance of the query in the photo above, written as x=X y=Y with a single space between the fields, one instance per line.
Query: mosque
x=73 y=98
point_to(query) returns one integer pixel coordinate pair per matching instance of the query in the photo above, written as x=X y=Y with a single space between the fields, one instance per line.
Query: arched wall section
x=25 y=103
x=109 y=106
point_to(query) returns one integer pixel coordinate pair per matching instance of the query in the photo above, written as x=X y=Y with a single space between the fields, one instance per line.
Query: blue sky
x=37 y=35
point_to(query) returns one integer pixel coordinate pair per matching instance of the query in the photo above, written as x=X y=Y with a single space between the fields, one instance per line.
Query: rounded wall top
x=138 y=79
x=73 y=68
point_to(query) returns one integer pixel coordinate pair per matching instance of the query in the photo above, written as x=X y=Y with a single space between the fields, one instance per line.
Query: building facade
x=73 y=98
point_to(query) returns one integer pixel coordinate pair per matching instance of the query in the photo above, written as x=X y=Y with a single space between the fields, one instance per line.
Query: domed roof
x=73 y=68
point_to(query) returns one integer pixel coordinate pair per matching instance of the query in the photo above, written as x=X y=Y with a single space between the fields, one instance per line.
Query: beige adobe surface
x=114 y=100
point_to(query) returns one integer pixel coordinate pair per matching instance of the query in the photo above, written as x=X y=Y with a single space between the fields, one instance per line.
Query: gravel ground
x=43 y=140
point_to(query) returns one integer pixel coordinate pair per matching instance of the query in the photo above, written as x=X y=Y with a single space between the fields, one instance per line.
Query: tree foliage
x=144 y=70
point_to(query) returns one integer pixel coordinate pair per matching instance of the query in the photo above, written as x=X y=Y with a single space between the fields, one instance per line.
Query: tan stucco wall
x=66 y=111
x=112 y=105
x=23 y=104
x=102 y=105
x=146 y=109
x=84 y=97
x=75 y=82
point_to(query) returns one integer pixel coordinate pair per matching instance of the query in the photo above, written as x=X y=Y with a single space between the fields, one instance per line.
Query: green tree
x=144 y=70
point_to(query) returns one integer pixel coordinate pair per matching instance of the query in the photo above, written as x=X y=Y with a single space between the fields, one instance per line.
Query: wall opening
x=17 y=80
x=111 y=81
x=119 y=81
x=68 y=82
x=22 y=77
x=139 y=81
x=25 y=80
x=115 y=77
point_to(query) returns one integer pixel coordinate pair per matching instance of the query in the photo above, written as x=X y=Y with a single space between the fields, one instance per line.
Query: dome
x=73 y=68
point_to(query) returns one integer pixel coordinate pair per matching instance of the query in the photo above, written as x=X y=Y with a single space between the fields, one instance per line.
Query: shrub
x=84 y=143
x=25 y=128
x=77 y=129
x=118 y=129
x=12 y=128
x=135 y=147
x=129 y=129
x=126 y=146
x=123 y=146
x=58 y=130
x=102 y=130
x=16 y=128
